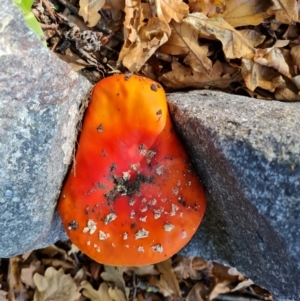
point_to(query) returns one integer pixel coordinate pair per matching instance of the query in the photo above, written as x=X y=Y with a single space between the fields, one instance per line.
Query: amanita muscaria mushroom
x=132 y=197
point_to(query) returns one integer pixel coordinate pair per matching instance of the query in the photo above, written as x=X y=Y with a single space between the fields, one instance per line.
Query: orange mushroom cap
x=132 y=197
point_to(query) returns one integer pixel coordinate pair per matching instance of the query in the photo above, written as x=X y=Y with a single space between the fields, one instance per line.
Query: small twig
x=49 y=26
x=113 y=70
x=73 y=9
x=109 y=49
x=133 y=285
x=49 y=9
x=107 y=31
x=76 y=258
x=165 y=57
x=55 y=44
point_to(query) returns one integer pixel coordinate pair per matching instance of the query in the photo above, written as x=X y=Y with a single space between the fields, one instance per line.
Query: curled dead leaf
x=27 y=273
x=243 y=284
x=234 y=44
x=100 y=295
x=296 y=81
x=184 y=40
x=3 y=295
x=58 y=263
x=116 y=294
x=252 y=36
x=245 y=12
x=183 y=268
x=168 y=275
x=116 y=6
x=148 y=39
x=273 y=57
x=141 y=270
x=89 y=11
x=288 y=93
x=115 y=275
x=184 y=77
x=16 y=289
x=295 y=53
x=56 y=285
x=285 y=11
x=167 y=10
x=256 y=75
x=207 y=7
x=198 y=292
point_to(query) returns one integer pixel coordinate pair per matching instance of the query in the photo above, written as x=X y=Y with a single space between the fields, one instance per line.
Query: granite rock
x=247 y=153
x=39 y=100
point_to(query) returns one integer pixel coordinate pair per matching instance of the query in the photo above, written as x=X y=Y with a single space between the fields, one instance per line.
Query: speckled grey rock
x=247 y=152
x=39 y=100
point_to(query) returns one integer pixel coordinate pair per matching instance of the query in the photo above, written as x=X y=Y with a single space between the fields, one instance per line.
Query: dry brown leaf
x=296 y=81
x=197 y=292
x=273 y=57
x=100 y=295
x=285 y=11
x=116 y=294
x=219 y=288
x=15 y=286
x=234 y=44
x=234 y=272
x=150 y=37
x=3 y=295
x=256 y=75
x=245 y=12
x=95 y=269
x=115 y=275
x=200 y=264
x=73 y=60
x=252 y=36
x=162 y=286
x=224 y=277
x=179 y=40
x=116 y=6
x=80 y=276
x=149 y=296
x=243 y=284
x=26 y=255
x=27 y=273
x=189 y=267
x=88 y=10
x=207 y=7
x=53 y=250
x=184 y=40
x=289 y=61
x=287 y=93
x=56 y=285
x=73 y=250
x=141 y=271
x=57 y=263
x=184 y=77
x=141 y=39
x=167 y=274
x=295 y=53
x=258 y=93
x=133 y=21
x=166 y=10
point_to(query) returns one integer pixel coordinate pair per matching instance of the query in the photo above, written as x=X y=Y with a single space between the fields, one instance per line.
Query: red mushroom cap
x=132 y=197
